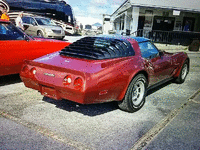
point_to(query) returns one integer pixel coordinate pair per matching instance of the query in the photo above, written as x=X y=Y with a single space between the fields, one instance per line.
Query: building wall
x=129 y=15
x=135 y=17
x=193 y=5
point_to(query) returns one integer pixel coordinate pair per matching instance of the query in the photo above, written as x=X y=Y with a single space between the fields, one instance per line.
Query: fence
x=169 y=37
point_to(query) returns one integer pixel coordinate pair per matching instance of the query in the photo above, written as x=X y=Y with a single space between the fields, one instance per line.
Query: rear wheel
x=183 y=73
x=135 y=95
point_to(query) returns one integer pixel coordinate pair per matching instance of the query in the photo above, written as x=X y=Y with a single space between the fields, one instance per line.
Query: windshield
x=44 y=21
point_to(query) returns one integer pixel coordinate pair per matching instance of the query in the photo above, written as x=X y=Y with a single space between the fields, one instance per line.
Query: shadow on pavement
x=89 y=110
x=153 y=90
x=93 y=109
x=9 y=79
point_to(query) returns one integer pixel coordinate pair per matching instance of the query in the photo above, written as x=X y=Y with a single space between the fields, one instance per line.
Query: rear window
x=99 y=48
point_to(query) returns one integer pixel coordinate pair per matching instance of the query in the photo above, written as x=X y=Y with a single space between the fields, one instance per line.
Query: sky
x=91 y=11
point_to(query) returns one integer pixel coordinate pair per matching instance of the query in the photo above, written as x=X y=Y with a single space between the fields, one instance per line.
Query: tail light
x=78 y=83
x=32 y=73
x=25 y=70
x=67 y=80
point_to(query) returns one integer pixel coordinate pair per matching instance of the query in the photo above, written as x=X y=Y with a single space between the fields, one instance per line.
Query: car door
x=30 y=26
x=26 y=24
x=34 y=27
x=14 y=48
x=156 y=63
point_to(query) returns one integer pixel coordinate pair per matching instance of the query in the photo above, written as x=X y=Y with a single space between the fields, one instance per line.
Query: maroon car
x=105 y=68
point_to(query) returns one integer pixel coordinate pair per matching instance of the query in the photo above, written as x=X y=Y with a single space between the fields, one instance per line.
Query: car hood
x=53 y=27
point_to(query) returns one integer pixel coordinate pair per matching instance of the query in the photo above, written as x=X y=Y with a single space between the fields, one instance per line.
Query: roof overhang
x=180 y=5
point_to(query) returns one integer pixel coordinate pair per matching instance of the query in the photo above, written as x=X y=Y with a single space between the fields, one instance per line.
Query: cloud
x=96 y=11
x=88 y=20
x=92 y=12
x=99 y=2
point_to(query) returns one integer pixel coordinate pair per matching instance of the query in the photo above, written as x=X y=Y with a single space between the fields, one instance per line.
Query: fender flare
x=122 y=94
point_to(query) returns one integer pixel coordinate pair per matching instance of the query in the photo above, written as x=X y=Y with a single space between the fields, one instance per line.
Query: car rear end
x=56 y=80
x=83 y=72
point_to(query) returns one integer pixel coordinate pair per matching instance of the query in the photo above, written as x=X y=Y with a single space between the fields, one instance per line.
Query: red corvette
x=105 y=68
x=16 y=46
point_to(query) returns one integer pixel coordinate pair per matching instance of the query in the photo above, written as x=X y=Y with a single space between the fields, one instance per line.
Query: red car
x=105 y=68
x=16 y=46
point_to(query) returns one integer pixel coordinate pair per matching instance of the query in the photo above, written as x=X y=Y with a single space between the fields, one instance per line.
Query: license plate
x=49 y=92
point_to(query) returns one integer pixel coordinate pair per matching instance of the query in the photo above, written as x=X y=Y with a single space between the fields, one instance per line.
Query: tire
x=40 y=34
x=135 y=96
x=61 y=38
x=184 y=71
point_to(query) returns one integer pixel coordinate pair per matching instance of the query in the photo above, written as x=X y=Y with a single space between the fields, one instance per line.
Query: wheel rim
x=138 y=92
x=184 y=71
x=40 y=34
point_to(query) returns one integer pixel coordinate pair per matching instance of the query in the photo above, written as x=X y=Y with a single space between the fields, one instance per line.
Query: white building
x=107 y=24
x=162 y=15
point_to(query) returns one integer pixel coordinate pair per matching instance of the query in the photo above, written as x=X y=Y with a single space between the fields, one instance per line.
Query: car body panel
x=13 y=52
x=103 y=80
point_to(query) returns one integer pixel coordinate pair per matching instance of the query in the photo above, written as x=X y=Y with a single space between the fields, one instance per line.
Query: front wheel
x=135 y=95
x=183 y=73
x=40 y=34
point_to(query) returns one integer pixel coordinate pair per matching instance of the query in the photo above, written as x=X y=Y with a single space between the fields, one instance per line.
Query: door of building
x=188 y=23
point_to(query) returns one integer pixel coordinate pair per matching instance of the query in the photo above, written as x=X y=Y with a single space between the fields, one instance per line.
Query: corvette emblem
x=49 y=74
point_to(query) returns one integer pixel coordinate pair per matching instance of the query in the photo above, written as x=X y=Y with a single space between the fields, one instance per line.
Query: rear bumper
x=54 y=92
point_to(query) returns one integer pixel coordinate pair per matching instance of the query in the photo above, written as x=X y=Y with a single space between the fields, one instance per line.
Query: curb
x=153 y=132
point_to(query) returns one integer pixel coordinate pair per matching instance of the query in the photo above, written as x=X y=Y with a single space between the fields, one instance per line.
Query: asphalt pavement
x=34 y=123
x=16 y=136
x=183 y=132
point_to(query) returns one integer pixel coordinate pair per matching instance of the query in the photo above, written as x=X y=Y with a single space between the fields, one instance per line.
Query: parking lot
x=96 y=126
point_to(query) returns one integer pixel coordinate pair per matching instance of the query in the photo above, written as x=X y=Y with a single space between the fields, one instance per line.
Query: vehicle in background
x=16 y=46
x=105 y=68
x=42 y=27
x=57 y=10
x=92 y=30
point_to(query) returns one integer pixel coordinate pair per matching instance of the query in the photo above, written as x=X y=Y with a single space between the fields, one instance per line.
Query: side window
x=32 y=21
x=2 y=29
x=10 y=32
x=148 y=50
x=26 y=20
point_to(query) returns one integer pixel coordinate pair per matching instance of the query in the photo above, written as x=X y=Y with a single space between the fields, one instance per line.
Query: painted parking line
x=153 y=132
x=45 y=132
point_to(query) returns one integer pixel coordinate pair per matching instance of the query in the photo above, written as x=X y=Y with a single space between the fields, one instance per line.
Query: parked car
x=105 y=68
x=15 y=46
x=42 y=27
